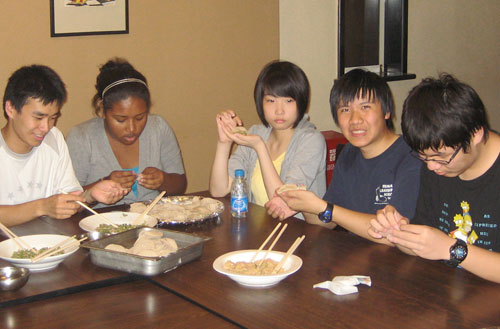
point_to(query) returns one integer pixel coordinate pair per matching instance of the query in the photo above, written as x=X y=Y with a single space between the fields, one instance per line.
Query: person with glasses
x=458 y=211
x=375 y=168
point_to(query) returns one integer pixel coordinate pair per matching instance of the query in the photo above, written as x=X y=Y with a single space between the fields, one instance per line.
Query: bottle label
x=239 y=204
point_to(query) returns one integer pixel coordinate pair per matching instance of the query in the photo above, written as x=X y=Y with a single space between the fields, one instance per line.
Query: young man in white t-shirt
x=37 y=175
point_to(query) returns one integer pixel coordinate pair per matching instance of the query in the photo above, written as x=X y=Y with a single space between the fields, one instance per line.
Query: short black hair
x=36 y=81
x=282 y=79
x=359 y=83
x=442 y=112
x=112 y=71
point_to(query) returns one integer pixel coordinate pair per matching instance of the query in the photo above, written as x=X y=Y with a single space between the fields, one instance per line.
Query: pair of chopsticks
x=61 y=246
x=94 y=212
x=138 y=220
x=290 y=251
x=272 y=244
x=20 y=242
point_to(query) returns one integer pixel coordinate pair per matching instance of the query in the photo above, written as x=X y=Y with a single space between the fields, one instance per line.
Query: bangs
x=280 y=86
x=350 y=95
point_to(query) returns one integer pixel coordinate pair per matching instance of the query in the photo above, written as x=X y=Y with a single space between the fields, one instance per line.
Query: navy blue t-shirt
x=367 y=185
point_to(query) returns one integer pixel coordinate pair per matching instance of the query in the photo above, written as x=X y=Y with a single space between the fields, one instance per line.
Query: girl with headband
x=126 y=143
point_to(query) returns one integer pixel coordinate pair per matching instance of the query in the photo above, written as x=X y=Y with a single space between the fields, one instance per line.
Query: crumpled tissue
x=344 y=285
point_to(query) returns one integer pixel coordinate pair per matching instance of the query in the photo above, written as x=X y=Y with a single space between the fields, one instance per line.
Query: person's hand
x=226 y=121
x=125 y=178
x=277 y=208
x=387 y=220
x=62 y=206
x=300 y=200
x=108 y=192
x=425 y=241
x=151 y=178
x=247 y=140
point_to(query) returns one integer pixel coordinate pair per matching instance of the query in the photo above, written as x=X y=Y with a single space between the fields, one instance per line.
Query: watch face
x=460 y=253
x=326 y=216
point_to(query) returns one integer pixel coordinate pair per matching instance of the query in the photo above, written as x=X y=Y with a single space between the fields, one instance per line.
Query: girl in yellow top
x=285 y=148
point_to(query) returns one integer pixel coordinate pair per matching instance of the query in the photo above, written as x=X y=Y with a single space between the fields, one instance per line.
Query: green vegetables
x=30 y=253
x=105 y=228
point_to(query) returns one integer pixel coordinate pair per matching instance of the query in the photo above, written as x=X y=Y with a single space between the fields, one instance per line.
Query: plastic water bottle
x=239 y=195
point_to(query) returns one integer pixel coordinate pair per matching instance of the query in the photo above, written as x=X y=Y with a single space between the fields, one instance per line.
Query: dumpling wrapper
x=116 y=247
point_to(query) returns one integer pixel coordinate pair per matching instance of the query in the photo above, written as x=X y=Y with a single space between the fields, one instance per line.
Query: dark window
x=373 y=34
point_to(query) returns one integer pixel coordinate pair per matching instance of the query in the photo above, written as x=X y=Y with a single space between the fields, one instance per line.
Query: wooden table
x=406 y=292
x=129 y=305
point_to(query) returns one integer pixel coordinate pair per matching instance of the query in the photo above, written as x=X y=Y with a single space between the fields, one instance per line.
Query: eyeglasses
x=442 y=162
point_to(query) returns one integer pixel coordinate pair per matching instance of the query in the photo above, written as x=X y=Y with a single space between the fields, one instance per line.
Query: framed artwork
x=88 y=17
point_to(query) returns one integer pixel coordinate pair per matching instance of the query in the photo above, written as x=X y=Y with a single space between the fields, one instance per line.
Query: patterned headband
x=119 y=82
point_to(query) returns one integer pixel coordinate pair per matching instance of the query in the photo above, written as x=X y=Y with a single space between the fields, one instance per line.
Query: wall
x=456 y=36
x=199 y=57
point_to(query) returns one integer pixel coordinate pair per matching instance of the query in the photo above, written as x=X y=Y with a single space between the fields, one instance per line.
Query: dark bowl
x=13 y=278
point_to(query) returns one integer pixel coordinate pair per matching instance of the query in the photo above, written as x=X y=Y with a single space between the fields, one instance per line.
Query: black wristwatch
x=458 y=252
x=326 y=216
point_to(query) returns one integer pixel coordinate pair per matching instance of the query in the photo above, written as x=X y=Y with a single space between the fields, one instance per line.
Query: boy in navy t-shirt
x=375 y=168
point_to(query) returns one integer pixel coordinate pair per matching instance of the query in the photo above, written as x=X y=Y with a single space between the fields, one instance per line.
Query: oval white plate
x=91 y=223
x=38 y=241
x=292 y=265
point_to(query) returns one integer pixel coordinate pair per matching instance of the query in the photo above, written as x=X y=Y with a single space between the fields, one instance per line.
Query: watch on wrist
x=326 y=216
x=458 y=252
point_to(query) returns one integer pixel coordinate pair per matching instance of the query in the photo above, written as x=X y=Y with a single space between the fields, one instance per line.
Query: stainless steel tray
x=190 y=248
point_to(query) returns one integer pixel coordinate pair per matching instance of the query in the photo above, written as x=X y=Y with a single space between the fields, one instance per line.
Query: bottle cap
x=239 y=173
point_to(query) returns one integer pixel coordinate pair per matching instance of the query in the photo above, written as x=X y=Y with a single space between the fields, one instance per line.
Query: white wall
x=461 y=37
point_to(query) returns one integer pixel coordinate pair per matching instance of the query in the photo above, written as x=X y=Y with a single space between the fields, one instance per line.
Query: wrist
x=87 y=195
x=40 y=207
x=326 y=215
x=458 y=252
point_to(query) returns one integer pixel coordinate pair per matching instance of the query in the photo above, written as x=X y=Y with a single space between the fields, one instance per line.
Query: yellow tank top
x=258 y=189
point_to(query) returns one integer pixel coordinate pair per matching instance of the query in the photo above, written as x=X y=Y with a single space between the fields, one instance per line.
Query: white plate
x=38 y=241
x=292 y=265
x=91 y=223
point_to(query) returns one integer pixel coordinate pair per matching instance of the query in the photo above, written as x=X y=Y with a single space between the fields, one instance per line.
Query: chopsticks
x=290 y=251
x=16 y=238
x=265 y=242
x=272 y=245
x=61 y=246
x=138 y=220
x=94 y=212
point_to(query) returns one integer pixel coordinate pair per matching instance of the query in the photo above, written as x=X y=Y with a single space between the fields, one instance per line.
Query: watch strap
x=326 y=215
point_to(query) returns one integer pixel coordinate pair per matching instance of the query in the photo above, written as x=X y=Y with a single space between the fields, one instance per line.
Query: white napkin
x=343 y=285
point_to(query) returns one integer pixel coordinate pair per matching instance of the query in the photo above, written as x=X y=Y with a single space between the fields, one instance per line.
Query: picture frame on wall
x=88 y=17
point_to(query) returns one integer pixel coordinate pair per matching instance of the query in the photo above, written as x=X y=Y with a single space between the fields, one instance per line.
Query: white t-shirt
x=44 y=171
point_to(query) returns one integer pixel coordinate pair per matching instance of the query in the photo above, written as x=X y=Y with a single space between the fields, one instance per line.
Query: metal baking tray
x=190 y=248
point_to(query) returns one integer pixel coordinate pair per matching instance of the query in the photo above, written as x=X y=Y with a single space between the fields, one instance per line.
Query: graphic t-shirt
x=367 y=185
x=466 y=210
x=44 y=171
